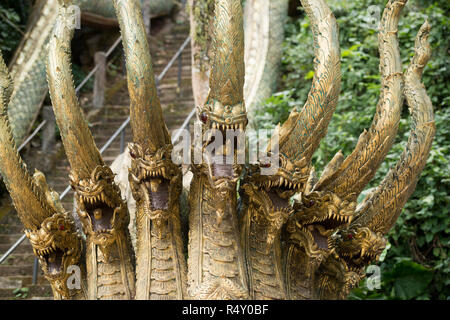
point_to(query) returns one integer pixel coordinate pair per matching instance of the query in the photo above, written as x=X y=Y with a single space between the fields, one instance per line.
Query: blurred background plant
x=417 y=264
x=13 y=20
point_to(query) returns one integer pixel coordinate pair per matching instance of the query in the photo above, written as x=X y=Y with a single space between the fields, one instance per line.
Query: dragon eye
x=132 y=154
x=203 y=117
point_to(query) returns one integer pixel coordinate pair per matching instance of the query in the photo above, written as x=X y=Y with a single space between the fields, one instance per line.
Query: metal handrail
x=120 y=130
x=184 y=125
x=174 y=58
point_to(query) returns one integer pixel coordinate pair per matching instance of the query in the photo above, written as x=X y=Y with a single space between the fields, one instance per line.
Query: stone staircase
x=177 y=103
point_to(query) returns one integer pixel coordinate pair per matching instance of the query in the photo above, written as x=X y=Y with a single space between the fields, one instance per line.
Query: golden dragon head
x=266 y=211
x=285 y=180
x=100 y=208
x=319 y=214
x=358 y=246
x=224 y=116
x=155 y=180
x=58 y=246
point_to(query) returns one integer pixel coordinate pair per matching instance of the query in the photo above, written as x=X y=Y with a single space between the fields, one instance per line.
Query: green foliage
x=417 y=265
x=9 y=35
x=21 y=293
x=13 y=15
x=406 y=280
x=79 y=75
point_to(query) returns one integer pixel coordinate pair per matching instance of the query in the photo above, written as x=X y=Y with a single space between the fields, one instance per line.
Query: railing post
x=180 y=69
x=35 y=270
x=100 y=79
x=157 y=86
x=122 y=141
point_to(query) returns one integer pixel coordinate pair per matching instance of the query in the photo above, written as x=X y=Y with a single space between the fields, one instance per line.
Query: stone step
x=19 y=259
x=27 y=280
x=9 y=238
x=8 y=283
x=13 y=270
x=24 y=247
x=8 y=228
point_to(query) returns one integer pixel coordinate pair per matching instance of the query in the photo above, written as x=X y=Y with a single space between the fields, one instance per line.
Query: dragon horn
x=349 y=178
x=300 y=135
x=147 y=123
x=79 y=144
x=228 y=70
x=381 y=208
x=28 y=199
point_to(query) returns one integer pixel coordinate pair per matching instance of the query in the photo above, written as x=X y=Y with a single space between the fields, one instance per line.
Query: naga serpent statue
x=28 y=64
x=249 y=237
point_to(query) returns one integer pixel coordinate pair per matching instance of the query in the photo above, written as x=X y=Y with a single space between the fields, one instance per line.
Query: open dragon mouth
x=53 y=257
x=222 y=170
x=331 y=222
x=310 y=212
x=223 y=126
x=101 y=212
x=319 y=235
x=280 y=191
x=158 y=191
x=357 y=260
x=321 y=229
x=320 y=239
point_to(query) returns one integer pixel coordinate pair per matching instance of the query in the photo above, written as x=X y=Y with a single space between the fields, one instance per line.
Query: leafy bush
x=417 y=263
x=13 y=15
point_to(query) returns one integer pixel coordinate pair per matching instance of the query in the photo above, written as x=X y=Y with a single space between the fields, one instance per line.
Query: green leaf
x=309 y=75
x=410 y=279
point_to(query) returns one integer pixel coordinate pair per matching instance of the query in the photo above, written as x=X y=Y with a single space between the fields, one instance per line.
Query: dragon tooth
x=363 y=251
